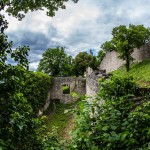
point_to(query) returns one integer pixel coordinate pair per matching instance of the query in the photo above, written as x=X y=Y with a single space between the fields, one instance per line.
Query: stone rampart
x=111 y=61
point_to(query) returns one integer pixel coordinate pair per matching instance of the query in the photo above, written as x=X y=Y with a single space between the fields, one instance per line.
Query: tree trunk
x=127 y=62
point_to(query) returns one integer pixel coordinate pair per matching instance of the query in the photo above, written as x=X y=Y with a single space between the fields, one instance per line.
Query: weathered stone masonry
x=111 y=61
x=91 y=82
x=77 y=85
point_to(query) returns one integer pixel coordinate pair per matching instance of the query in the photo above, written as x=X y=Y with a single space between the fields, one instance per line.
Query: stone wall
x=111 y=61
x=92 y=77
x=91 y=82
x=77 y=85
x=142 y=53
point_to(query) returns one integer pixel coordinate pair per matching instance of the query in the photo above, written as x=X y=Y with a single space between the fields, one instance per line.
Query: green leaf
x=123 y=135
x=105 y=128
x=114 y=127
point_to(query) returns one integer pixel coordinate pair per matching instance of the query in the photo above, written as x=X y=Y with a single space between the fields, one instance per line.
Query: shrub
x=18 y=124
x=114 y=122
x=116 y=87
x=36 y=88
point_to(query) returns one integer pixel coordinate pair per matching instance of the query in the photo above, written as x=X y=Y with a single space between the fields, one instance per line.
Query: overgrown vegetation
x=36 y=88
x=139 y=71
x=115 y=121
x=20 y=129
x=19 y=126
x=60 y=119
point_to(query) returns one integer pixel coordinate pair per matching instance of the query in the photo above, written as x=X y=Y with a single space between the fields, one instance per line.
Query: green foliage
x=114 y=122
x=116 y=87
x=126 y=39
x=55 y=62
x=18 y=9
x=139 y=71
x=36 y=88
x=81 y=138
x=18 y=125
x=108 y=46
x=20 y=129
x=82 y=61
x=100 y=56
x=52 y=141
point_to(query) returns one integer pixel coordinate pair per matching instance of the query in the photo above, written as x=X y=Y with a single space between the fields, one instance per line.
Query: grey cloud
x=35 y=40
x=78 y=36
x=125 y=12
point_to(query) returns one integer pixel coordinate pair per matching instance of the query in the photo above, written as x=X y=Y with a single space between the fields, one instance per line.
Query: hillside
x=139 y=71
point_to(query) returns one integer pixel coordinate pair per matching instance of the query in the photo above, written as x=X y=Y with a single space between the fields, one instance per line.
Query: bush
x=36 y=88
x=116 y=122
x=116 y=87
x=19 y=128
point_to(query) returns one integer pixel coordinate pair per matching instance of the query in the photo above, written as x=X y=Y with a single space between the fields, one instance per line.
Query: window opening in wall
x=66 y=89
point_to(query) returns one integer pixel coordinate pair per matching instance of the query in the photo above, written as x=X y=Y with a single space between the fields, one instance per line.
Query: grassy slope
x=139 y=71
x=60 y=119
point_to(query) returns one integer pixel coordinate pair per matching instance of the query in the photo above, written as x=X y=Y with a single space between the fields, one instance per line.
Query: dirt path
x=68 y=128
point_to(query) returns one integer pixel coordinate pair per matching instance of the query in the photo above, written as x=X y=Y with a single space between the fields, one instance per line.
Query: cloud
x=36 y=40
x=82 y=26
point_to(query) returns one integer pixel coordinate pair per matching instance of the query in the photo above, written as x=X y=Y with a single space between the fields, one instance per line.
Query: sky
x=80 y=27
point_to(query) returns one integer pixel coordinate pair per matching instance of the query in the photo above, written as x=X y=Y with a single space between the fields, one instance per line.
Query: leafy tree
x=17 y=120
x=93 y=63
x=82 y=61
x=55 y=62
x=18 y=8
x=125 y=39
x=100 y=56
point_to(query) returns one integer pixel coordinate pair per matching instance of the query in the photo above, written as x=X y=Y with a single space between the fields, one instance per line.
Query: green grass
x=60 y=119
x=139 y=71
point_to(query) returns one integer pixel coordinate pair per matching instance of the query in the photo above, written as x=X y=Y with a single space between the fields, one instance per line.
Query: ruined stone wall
x=111 y=61
x=142 y=53
x=91 y=82
x=77 y=85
